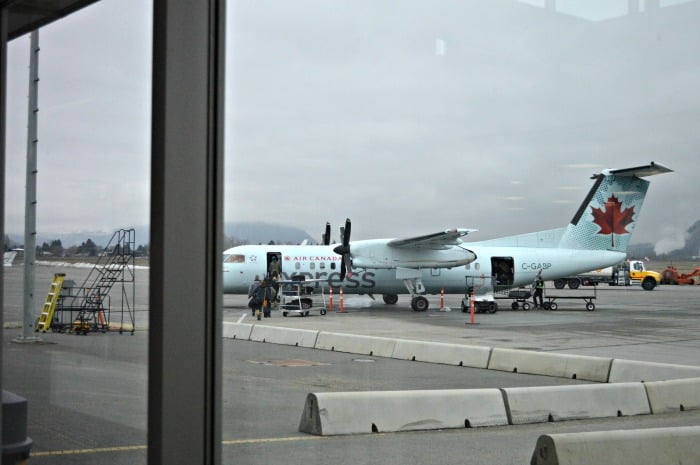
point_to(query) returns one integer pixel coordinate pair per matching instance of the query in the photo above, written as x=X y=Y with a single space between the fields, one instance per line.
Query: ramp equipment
x=115 y=265
x=551 y=304
x=52 y=298
x=88 y=308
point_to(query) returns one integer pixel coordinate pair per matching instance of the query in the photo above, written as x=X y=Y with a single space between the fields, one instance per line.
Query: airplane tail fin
x=606 y=218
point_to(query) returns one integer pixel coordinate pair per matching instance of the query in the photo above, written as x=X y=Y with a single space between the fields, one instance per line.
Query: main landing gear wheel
x=390 y=299
x=419 y=304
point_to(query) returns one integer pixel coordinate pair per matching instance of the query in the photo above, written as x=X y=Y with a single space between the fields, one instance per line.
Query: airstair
x=91 y=303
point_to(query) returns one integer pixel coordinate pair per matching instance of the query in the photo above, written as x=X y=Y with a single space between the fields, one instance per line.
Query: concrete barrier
x=557 y=403
x=651 y=446
x=356 y=344
x=673 y=395
x=286 y=336
x=623 y=371
x=237 y=331
x=550 y=364
x=437 y=352
x=335 y=413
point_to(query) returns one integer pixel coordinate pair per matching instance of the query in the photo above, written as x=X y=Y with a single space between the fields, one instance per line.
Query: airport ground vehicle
x=483 y=291
x=639 y=274
x=622 y=274
x=616 y=275
x=671 y=276
x=298 y=297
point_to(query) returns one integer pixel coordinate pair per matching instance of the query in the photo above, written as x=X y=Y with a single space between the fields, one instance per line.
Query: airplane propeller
x=344 y=250
x=327 y=235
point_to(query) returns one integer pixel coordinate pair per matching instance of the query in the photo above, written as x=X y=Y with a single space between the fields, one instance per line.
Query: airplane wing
x=439 y=240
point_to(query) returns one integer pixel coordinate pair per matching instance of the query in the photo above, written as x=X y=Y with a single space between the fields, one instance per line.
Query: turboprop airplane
x=596 y=237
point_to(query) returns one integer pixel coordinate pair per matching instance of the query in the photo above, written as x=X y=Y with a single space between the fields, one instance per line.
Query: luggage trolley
x=551 y=304
x=520 y=297
x=297 y=296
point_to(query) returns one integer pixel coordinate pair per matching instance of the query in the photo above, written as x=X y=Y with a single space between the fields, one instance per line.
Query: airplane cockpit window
x=235 y=258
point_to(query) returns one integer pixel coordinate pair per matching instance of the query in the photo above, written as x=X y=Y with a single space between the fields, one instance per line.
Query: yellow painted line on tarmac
x=231 y=442
x=100 y=450
x=270 y=440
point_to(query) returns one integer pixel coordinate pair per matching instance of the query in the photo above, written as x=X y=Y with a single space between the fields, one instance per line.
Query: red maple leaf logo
x=613 y=220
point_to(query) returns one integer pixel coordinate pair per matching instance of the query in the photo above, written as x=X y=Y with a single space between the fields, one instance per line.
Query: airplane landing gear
x=390 y=299
x=419 y=303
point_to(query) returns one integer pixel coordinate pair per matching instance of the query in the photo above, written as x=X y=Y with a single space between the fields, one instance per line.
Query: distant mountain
x=238 y=232
x=101 y=238
x=692 y=244
x=263 y=233
x=690 y=249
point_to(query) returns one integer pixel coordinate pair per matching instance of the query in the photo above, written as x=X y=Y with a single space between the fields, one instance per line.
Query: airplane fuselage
x=518 y=266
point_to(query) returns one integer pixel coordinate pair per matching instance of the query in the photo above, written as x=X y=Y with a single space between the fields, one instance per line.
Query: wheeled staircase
x=91 y=303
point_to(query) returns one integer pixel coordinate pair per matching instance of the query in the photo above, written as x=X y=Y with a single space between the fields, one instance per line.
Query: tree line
x=88 y=248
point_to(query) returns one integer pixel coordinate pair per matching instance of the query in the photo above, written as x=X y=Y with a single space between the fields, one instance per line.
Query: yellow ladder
x=49 y=307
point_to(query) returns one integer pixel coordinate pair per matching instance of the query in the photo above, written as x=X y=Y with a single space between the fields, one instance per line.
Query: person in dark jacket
x=268 y=296
x=251 y=294
x=539 y=289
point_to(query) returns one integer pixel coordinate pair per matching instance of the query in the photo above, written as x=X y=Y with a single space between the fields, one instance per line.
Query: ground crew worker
x=539 y=289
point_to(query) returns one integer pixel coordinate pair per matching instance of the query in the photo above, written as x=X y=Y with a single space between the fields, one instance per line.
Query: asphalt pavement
x=87 y=394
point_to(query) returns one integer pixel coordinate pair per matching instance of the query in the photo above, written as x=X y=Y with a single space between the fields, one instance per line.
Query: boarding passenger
x=268 y=291
x=251 y=293
x=274 y=266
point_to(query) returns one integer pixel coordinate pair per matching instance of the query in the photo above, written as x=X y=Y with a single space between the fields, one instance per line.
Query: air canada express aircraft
x=596 y=237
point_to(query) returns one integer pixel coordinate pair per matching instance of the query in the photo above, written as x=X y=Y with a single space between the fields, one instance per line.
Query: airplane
x=596 y=237
x=9 y=257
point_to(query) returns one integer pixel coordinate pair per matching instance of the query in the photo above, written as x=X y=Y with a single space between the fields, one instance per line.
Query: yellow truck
x=624 y=274
x=639 y=274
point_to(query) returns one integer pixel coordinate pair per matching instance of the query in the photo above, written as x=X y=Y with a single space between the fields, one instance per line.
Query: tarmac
x=87 y=394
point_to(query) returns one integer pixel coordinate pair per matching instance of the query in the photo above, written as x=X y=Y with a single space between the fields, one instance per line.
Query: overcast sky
x=408 y=117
